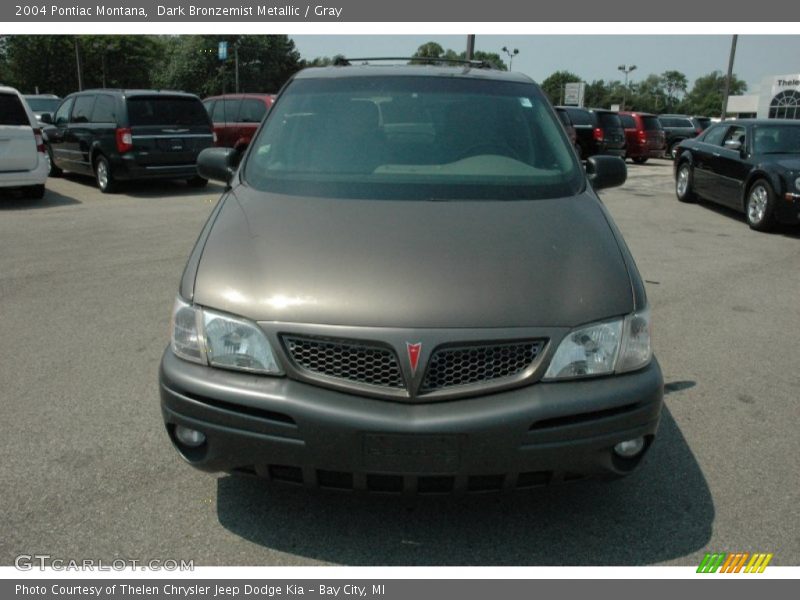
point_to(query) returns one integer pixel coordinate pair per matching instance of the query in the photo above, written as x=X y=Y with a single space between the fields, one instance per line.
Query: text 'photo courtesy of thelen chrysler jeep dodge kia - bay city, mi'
x=410 y=285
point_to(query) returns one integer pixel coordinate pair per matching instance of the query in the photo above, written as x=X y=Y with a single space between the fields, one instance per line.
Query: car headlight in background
x=797 y=183
x=211 y=338
x=603 y=348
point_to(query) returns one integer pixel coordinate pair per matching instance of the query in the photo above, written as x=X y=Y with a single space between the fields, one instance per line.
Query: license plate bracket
x=409 y=453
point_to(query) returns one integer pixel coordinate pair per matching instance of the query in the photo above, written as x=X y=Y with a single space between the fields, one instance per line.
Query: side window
x=735 y=134
x=62 y=114
x=104 y=110
x=252 y=111
x=715 y=135
x=83 y=109
x=209 y=106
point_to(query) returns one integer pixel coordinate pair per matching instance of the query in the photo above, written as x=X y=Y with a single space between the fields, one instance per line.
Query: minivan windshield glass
x=43 y=104
x=413 y=137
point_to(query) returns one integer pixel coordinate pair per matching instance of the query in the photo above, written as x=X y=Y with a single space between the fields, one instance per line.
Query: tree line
x=668 y=92
x=48 y=63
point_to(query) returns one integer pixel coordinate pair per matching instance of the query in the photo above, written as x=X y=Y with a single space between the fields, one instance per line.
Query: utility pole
x=78 y=65
x=728 y=78
x=470 y=46
x=627 y=69
x=236 y=63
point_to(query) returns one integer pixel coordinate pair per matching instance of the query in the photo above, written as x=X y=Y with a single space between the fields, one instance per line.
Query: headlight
x=208 y=337
x=603 y=348
x=797 y=183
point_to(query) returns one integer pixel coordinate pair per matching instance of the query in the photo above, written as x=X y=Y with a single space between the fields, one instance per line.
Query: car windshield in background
x=165 y=110
x=777 y=139
x=413 y=138
x=11 y=111
x=42 y=105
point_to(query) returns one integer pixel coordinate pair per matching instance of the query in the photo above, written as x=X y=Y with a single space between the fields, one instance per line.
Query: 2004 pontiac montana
x=410 y=285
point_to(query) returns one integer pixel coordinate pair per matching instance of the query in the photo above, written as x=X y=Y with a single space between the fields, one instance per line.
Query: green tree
x=431 y=50
x=554 y=84
x=46 y=62
x=705 y=98
x=674 y=84
x=265 y=63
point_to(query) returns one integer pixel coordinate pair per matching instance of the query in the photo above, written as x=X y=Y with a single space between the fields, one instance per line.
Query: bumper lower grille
x=475 y=364
x=357 y=362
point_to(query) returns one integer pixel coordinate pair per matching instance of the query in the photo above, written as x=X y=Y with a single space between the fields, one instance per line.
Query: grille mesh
x=359 y=362
x=462 y=365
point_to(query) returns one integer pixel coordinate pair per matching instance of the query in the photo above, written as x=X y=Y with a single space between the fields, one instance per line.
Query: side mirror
x=606 y=171
x=733 y=145
x=218 y=164
x=46 y=118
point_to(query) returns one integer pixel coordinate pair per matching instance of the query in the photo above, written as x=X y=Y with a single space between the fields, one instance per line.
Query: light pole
x=511 y=55
x=625 y=69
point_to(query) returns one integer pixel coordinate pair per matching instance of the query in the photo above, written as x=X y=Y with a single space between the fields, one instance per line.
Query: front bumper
x=787 y=208
x=291 y=431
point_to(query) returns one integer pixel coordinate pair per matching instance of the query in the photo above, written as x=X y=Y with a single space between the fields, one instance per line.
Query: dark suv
x=598 y=131
x=236 y=117
x=411 y=286
x=681 y=127
x=119 y=135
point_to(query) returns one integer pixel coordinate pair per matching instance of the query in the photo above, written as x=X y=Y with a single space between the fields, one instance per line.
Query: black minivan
x=598 y=131
x=119 y=135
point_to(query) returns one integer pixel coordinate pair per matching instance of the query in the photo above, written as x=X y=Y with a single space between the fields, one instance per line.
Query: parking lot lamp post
x=625 y=69
x=511 y=55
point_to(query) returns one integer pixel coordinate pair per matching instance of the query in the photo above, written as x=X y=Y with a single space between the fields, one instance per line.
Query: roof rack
x=341 y=61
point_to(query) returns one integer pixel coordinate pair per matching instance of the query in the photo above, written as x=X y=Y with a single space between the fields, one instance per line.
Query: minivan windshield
x=413 y=137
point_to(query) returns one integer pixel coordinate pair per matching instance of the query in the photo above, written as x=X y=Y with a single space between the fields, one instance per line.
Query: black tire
x=759 y=205
x=197 y=182
x=54 y=170
x=640 y=160
x=683 y=187
x=34 y=192
x=103 y=175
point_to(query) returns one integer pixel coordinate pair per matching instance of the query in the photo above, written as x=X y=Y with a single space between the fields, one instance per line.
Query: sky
x=592 y=56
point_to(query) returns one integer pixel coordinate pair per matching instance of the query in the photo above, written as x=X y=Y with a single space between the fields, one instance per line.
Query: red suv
x=237 y=116
x=644 y=136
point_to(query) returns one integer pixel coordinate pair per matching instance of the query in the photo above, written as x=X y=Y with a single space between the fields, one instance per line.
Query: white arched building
x=779 y=98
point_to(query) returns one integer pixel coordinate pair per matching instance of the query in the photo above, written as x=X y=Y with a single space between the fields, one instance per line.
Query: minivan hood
x=413 y=264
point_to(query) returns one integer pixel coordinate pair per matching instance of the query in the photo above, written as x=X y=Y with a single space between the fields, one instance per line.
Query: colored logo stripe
x=733 y=562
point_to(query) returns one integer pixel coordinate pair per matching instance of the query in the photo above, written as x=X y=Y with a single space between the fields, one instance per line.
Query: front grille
x=358 y=362
x=463 y=365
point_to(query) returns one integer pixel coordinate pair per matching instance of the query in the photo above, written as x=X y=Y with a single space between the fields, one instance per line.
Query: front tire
x=104 y=176
x=683 y=183
x=640 y=160
x=760 y=205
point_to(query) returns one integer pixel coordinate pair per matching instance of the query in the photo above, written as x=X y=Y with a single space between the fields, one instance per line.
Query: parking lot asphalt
x=86 y=288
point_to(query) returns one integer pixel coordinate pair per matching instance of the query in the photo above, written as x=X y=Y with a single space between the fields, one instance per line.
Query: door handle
x=716 y=154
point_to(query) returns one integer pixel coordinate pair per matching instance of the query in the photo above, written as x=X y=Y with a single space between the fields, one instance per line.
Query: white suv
x=23 y=158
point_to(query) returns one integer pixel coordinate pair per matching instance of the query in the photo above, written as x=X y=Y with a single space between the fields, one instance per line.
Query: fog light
x=629 y=448
x=191 y=437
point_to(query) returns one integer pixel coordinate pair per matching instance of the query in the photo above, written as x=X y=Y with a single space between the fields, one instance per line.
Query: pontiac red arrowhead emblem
x=413 y=355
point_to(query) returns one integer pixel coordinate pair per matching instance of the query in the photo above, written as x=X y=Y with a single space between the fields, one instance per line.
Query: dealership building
x=779 y=98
